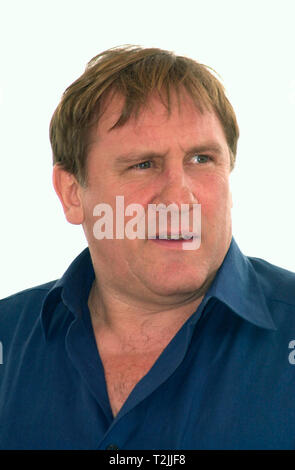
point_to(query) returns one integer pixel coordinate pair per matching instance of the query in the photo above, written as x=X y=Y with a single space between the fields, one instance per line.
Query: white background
x=45 y=46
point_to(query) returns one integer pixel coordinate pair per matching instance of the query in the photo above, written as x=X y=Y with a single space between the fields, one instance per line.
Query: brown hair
x=134 y=72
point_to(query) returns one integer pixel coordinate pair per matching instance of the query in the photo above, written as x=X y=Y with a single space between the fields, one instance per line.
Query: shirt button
x=112 y=447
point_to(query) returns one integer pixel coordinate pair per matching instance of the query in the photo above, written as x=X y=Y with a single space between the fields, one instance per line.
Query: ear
x=69 y=192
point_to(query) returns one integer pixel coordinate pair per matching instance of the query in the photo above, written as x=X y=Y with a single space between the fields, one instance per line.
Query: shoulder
x=277 y=283
x=27 y=294
x=28 y=302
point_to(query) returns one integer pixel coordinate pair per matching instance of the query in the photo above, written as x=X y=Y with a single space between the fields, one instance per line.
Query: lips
x=174 y=237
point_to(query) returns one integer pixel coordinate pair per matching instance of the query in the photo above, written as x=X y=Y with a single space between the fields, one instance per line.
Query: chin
x=177 y=285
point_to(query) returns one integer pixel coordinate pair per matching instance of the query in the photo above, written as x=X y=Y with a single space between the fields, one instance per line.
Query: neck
x=125 y=319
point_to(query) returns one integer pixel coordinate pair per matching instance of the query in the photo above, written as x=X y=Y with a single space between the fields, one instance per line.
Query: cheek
x=215 y=198
x=90 y=200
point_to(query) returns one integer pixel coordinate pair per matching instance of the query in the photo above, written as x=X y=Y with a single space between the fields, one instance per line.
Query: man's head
x=134 y=73
x=154 y=128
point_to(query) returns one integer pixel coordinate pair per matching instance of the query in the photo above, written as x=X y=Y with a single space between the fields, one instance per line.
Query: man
x=148 y=342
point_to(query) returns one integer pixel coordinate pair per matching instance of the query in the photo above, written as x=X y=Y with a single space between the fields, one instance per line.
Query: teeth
x=172 y=237
x=175 y=237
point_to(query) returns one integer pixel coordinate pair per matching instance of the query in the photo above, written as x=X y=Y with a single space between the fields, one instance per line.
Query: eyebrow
x=130 y=157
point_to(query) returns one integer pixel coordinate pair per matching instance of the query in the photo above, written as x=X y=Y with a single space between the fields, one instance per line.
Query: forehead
x=154 y=122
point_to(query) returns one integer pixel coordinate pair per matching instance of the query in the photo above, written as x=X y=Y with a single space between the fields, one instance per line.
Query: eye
x=201 y=158
x=142 y=166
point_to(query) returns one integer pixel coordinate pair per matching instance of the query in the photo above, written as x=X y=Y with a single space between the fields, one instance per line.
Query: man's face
x=190 y=164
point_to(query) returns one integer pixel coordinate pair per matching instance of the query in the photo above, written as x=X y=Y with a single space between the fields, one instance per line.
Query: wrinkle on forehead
x=113 y=104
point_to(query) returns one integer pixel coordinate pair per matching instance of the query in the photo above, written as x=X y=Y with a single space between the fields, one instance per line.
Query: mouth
x=175 y=236
x=174 y=241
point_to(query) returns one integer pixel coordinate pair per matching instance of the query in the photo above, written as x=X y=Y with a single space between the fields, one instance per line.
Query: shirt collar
x=235 y=284
x=72 y=289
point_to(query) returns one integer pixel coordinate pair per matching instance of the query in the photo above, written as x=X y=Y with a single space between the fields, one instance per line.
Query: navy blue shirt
x=225 y=381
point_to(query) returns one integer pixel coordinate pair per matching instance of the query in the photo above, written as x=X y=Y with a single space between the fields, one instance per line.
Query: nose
x=175 y=187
